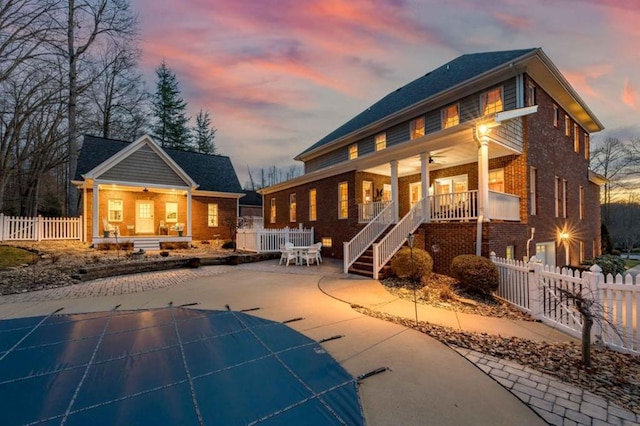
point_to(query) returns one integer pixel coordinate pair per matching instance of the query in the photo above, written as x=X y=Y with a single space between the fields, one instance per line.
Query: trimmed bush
x=611 y=264
x=476 y=274
x=229 y=245
x=402 y=266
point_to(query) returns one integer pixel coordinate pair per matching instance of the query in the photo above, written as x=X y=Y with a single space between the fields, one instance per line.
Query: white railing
x=367 y=211
x=454 y=206
x=387 y=246
x=15 y=228
x=542 y=291
x=504 y=206
x=360 y=243
x=270 y=240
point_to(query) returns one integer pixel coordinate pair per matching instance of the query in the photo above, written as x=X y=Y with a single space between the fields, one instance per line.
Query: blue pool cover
x=171 y=366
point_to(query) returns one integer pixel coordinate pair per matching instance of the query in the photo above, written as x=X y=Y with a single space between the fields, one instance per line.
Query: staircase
x=364 y=264
x=146 y=244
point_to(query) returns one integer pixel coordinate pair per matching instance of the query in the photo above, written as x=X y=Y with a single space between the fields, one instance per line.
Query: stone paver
x=553 y=403
x=557 y=402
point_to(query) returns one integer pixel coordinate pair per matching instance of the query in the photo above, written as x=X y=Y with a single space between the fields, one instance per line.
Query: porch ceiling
x=141 y=188
x=451 y=149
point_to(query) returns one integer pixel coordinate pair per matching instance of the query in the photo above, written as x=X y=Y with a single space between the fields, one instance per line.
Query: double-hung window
x=313 y=212
x=556 y=116
x=531 y=94
x=533 y=194
x=272 y=211
x=353 y=151
x=496 y=180
x=343 y=200
x=581 y=202
x=558 y=195
x=576 y=138
x=292 y=207
x=491 y=101
x=115 y=210
x=450 y=116
x=587 y=148
x=381 y=141
x=567 y=126
x=212 y=215
x=417 y=128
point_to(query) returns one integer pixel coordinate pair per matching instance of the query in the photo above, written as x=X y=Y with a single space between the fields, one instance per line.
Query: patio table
x=300 y=251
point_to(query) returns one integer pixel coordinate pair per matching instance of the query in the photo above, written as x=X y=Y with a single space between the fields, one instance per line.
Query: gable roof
x=465 y=73
x=251 y=198
x=210 y=172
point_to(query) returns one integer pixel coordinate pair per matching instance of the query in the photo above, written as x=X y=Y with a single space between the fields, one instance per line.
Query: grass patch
x=630 y=263
x=14 y=256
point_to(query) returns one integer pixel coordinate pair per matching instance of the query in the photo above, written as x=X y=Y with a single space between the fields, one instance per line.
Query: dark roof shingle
x=211 y=172
x=449 y=75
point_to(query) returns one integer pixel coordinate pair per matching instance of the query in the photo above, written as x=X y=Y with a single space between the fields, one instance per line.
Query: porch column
x=394 y=190
x=189 y=212
x=96 y=210
x=483 y=178
x=424 y=171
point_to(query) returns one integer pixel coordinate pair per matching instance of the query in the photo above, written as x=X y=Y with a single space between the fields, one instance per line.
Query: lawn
x=630 y=263
x=13 y=256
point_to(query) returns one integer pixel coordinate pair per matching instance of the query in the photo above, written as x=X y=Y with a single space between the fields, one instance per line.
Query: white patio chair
x=109 y=228
x=289 y=253
x=312 y=254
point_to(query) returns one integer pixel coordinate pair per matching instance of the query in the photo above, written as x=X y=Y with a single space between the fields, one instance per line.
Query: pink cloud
x=517 y=23
x=629 y=94
x=582 y=79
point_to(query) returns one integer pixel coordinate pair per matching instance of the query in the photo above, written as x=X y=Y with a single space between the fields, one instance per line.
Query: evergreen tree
x=170 y=127
x=204 y=133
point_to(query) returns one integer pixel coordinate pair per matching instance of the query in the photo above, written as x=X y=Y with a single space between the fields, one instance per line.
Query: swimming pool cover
x=174 y=366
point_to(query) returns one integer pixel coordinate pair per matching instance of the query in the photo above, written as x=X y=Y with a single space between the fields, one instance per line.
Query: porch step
x=146 y=244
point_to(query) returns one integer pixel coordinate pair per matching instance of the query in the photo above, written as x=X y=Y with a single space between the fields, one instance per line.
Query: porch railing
x=270 y=240
x=15 y=228
x=367 y=211
x=504 y=206
x=353 y=249
x=387 y=247
x=454 y=206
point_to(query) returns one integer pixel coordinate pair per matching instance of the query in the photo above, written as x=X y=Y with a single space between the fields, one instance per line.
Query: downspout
x=479 y=235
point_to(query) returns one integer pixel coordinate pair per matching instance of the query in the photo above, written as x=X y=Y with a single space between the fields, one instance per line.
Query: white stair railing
x=389 y=245
x=360 y=243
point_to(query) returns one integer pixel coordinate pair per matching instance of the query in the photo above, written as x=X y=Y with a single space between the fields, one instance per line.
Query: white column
x=483 y=178
x=424 y=171
x=189 y=212
x=96 y=210
x=394 y=190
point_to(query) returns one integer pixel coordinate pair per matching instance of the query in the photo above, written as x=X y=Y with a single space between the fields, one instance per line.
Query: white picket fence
x=542 y=291
x=16 y=228
x=269 y=240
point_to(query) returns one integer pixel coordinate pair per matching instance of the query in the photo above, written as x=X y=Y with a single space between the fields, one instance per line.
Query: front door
x=415 y=192
x=144 y=217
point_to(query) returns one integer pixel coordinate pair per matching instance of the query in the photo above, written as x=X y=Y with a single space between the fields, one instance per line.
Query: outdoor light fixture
x=145 y=190
x=410 y=239
x=564 y=236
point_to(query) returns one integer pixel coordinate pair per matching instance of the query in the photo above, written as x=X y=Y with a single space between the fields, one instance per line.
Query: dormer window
x=381 y=141
x=417 y=128
x=491 y=101
x=353 y=151
x=450 y=116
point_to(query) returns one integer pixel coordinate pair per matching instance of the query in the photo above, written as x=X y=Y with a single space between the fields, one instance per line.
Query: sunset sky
x=278 y=75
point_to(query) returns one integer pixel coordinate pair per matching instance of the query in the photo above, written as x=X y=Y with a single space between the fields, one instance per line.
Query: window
x=386 y=192
x=533 y=194
x=491 y=101
x=510 y=252
x=582 y=251
x=567 y=125
x=450 y=116
x=367 y=191
x=564 y=198
x=531 y=94
x=272 y=212
x=581 y=202
x=415 y=192
x=417 y=128
x=115 y=210
x=381 y=141
x=313 y=212
x=212 y=215
x=556 y=116
x=353 y=151
x=558 y=195
x=587 y=152
x=326 y=242
x=576 y=138
x=343 y=200
x=292 y=207
x=171 y=212
x=496 y=180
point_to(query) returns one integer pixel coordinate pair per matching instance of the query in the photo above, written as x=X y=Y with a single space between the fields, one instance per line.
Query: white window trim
x=486 y=92
x=216 y=215
x=115 y=205
x=380 y=141
x=353 y=151
x=556 y=116
x=444 y=120
x=576 y=138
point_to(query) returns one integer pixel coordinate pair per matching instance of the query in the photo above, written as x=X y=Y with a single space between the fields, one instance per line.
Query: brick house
x=501 y=141
x=149 y=193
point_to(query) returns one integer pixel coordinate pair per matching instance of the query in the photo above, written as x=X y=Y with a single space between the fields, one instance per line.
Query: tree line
x=69 y=68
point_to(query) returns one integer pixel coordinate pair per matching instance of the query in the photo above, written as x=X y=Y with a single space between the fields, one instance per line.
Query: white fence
x=544 y=292
x=270 y=240
x=14 y=228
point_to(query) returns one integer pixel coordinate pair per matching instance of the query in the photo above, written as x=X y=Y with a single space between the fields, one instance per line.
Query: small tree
x=231 y=222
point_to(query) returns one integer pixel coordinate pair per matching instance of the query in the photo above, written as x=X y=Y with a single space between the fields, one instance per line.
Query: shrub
x=402 y=266
x=611 y=264
x=476 y=274
x=228 y=245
